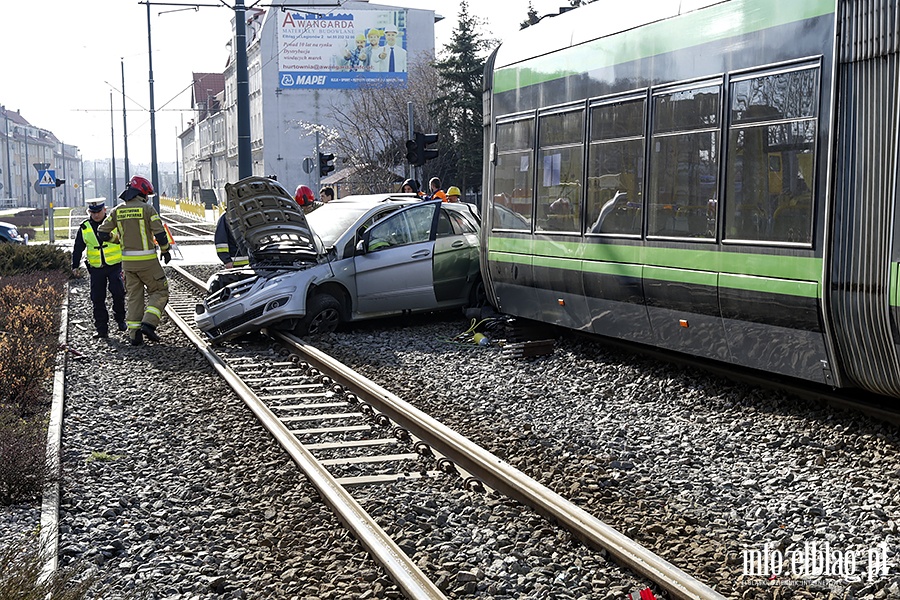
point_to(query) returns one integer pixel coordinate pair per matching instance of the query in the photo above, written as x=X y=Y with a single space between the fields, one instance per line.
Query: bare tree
x=371 y=126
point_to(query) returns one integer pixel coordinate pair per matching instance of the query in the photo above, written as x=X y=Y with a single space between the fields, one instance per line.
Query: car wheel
x=323 y=315
x=478 y=295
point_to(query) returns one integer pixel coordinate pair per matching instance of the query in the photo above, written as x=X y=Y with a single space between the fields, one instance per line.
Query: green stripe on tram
x=791 y=275
x=895 y=284
x=691 y=29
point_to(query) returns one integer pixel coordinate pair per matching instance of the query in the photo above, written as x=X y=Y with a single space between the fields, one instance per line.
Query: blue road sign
x=47 y=178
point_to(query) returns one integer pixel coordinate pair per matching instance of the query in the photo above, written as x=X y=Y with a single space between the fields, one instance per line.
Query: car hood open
x=271 y=225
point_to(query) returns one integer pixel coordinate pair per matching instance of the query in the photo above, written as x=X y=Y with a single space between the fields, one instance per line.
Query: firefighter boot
x=150 y=331
x=138 y=338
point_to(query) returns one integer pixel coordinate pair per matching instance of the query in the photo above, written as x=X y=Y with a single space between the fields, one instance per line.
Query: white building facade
x=301 y=63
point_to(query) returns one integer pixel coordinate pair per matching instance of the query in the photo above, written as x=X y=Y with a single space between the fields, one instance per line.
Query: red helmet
x=138 y=186
x=304 y=195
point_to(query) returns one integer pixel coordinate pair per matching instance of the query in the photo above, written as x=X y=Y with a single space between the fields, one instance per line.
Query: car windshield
x=331 y=220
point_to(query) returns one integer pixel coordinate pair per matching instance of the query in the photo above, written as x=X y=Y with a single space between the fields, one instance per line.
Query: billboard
x=342 y=51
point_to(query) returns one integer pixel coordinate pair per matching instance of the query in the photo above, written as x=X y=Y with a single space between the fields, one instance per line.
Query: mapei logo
x=288 y=80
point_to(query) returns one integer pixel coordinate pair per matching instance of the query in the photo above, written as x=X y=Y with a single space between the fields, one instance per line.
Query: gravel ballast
x=163 y=495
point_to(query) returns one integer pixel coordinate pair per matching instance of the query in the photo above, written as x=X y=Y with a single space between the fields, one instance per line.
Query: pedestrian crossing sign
x=47 y=178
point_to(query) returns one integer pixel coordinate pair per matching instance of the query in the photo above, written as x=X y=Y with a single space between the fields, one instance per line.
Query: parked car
x=350 y=259
x=9 y=233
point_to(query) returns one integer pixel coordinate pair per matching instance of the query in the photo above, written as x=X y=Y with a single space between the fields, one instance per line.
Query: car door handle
x=421 y=254
x=458 y=244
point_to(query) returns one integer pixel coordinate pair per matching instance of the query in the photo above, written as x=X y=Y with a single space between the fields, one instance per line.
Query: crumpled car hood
x=271 y=224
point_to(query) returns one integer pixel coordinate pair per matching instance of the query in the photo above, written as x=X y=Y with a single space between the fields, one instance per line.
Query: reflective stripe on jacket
x=138 y=225
x=99 y=253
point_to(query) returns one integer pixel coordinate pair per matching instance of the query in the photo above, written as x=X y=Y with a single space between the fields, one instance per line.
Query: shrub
x=20 y=567
x=16 y=258
x=28 y=338
x=24 y=468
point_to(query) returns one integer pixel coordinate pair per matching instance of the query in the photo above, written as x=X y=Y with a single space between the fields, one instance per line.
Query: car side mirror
x=361 y=246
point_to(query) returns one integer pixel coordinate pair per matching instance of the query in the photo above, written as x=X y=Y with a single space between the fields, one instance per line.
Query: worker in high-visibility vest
x=138 y=224
x=104 y=265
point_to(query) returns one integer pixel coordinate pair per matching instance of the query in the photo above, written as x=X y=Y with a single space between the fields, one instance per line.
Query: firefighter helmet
x=304 y=195
x=138 y=186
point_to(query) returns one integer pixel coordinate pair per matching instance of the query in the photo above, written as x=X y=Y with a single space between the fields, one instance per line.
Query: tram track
x=313 y=404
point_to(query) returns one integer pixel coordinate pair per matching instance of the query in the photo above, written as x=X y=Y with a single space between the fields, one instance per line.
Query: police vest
x=97 y=252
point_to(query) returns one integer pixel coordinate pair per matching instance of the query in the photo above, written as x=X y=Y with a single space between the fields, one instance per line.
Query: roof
x=205 y=88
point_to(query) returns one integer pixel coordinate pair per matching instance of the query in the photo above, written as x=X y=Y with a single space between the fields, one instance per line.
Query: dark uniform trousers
x=102 y=278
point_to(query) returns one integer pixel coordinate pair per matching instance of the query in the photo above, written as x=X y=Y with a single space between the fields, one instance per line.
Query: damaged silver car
x=355 y=258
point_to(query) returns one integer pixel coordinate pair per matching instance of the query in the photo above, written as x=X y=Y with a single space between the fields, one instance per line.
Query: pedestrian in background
x=436 y=192
x=104 y=266
x=411 y=186
x=326 y=195
x=137 y=224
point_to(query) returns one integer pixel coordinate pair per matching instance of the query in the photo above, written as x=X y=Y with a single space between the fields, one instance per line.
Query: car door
x=395 y=273
x=455 y=257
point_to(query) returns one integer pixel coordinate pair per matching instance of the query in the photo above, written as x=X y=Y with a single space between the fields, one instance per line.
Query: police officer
x=229 y=251
x=137 y=224
x=104 y=265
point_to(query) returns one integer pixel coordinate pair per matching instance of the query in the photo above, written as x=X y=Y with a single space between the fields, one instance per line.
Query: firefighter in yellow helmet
x=137 y=224
x=104 y=265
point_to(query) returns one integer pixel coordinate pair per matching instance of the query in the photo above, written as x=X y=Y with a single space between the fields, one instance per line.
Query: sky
x=61 y=60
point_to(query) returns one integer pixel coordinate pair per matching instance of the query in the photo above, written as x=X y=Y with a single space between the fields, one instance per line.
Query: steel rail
x=383 y=549
x=503 y=477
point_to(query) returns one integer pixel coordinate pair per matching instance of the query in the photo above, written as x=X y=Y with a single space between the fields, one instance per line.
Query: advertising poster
x=343 y=50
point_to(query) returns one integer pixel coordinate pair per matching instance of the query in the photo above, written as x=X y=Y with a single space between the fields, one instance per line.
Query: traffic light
x=417 y=150
x=422 y=142
x=60 y=182
x=412 y=152
x=325 y=164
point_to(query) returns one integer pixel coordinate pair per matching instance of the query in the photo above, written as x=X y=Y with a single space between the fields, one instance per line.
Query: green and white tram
x=718 y=178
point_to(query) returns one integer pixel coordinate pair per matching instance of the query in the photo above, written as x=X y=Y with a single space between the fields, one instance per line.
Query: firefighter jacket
x=99 y=254
x=137 y=224
x=227 y=247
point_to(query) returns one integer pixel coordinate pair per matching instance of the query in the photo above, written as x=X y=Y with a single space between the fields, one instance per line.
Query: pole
x=125 y=122
x=27 y=162
x=410 y=134
x=8 y=161
x=154 y=168
x=318 y=165
x=245 y=166
x=177 y=182
x=112 y=133
x=81 y=159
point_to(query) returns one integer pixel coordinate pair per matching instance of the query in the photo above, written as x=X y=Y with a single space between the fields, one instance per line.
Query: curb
x=50 y=502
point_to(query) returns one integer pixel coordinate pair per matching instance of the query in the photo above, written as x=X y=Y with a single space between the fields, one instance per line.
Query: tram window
x=771 y=154
x=684 y=164
x=618 y=120
x=559 y=171
x=615 y=169
x=686 y=109
x=513 y=175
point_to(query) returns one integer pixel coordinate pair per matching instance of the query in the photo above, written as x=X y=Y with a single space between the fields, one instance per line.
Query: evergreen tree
x=458 y=102
x=532 y=17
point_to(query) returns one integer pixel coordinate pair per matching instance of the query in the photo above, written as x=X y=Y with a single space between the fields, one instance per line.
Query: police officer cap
x=96 y=205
